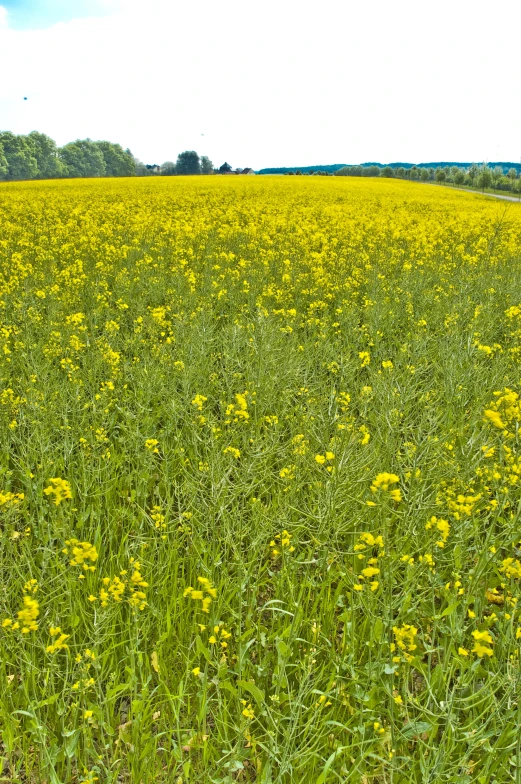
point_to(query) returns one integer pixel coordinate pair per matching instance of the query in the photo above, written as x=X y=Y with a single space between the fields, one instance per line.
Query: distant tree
x=424 y=175
x=4 y=168
x=453 y=172
x=206 y=165
x=140 y=169
x=168 y=168
x=512 y=174
x=371 y=171
x=83 y=158
x=441 y=175
x=459 y=177
x=473 y=172
x=484 y=178
x=497 y=174
x=118 y=162
x=400 y=172
x=414 y=173
x=20 y=156
x=387 y=171
x=298 y=172
x=188 y=163
x=46 y=154
x=225 y=168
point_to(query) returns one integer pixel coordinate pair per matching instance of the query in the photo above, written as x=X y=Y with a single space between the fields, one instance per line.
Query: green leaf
x=71 y=741
x=254 y=690
x=376 y=633
x=283 y=649
x=228 y=686
x=321 y=779
x=416 y=728
x=202 y=649
x=449 y=610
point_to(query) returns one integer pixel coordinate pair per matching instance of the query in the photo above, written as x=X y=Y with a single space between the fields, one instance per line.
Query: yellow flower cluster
x=59 y=643
x=405 y=641
x=442 y=526
x=382 y=483
x=238 y=410
x=205 y=594
x=28 y=615
x=60 y=489
x=220 y=634
x=281 y=543
x=81 y=553
x=124 y=587
x=9 y=499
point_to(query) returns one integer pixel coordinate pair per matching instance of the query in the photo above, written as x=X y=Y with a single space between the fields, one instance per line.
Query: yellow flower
x=247 y=711
x=60 y=489
x=196 y=671
x=479 y=639
x=151 y=444
x=231 y=450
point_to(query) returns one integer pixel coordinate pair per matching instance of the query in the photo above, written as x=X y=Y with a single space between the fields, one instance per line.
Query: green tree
x=20 y=156
x=168 y=169
x=83 y=158
x=188 y=163
x=371 y=171
x=387 y=171
x=4 y=168
x=400 y=172
x=441 y=175
x=484 y=179
x=46 y=154
x=497 y=174
x=512 y=174
x=424 y=175
x=459 y=177
x=473 y=172
x=414 y=173
x=206 y=165
x=118 y=162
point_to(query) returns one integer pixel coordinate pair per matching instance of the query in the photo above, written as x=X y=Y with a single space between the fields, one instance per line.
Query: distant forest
x=503 y=176
x=334 y=167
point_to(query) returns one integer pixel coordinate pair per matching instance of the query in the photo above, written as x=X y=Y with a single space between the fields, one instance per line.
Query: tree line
x=473 y=176
x=37 y=157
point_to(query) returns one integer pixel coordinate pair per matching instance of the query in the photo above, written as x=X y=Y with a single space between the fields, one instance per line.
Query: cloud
x=272 y=83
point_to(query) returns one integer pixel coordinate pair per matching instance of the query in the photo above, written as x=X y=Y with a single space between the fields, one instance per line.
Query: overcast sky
x=271 y=83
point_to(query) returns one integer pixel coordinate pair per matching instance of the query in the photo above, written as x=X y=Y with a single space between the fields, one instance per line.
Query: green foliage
x=46 y=154
x=206 y=165
x=20 y=156
x=83 y=158
x=188 y=162
x=118 y=162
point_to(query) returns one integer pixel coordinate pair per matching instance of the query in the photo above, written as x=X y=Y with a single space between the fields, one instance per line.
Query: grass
x=259 y=462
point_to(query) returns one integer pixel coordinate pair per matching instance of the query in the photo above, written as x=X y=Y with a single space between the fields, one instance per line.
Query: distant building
x=227 y=169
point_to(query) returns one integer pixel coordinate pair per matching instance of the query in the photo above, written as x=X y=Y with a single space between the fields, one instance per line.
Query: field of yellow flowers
x=260 y=482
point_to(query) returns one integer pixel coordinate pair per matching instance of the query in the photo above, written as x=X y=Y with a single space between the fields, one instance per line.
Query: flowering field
x=260 y=482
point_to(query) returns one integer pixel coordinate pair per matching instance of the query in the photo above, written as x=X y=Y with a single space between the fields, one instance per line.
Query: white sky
x=271 y=83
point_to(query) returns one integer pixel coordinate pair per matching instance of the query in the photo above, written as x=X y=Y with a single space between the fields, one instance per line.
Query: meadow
x=260 y=482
